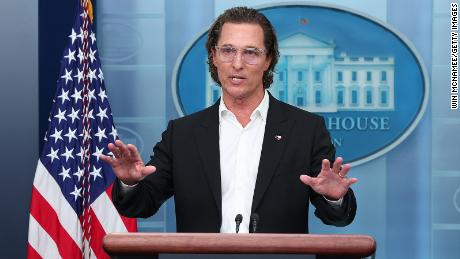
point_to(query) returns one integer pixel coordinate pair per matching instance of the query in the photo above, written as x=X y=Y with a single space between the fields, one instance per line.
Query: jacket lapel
x=207 y=137
x=274 y=143
x=275 y=137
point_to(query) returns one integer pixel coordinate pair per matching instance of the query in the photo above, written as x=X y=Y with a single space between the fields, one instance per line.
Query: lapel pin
x=278 y=137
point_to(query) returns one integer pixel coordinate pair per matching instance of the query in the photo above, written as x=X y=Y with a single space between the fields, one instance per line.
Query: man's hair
x=244 y=15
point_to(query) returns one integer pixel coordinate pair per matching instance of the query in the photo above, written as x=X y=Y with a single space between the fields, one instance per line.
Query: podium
x=323 y=246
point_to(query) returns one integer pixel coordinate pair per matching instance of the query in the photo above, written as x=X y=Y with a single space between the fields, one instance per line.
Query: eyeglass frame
x=235 y=51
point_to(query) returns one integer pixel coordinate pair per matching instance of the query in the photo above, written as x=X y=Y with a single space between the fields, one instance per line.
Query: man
x=248 y=153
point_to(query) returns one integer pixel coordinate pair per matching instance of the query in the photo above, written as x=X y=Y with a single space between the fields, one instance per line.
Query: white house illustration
x=309 y=76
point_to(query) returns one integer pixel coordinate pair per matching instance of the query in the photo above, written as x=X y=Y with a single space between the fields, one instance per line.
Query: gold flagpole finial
x=89 y=10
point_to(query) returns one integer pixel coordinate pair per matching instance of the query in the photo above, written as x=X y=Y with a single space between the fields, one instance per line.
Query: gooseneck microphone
x=253 y=221
x=238 y=220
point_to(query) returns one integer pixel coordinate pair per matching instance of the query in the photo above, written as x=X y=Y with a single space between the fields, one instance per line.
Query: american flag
x=71 y=208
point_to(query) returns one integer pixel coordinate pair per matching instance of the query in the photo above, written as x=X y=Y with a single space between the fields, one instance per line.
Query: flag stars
x=64 y=96
x=93 y=37
x=101 y=76
x=70 y=56
x=91 y=95
x=98 y=153
x=60 y=115
x=73 y=36
x=81 y=155
x=79 y=173
x=100 y=133
x=92 y=54
x=68 y=154
x=71 y=134
x=88 y=115
x=102 y=114
x=80 y=120
x=86 y=134
x=84 y=14
x=79 y=75
x=81 y=56
x=56 y=135
x=81 y=35
x=102 y=95
x=67 y=76
x=76 y=193
x=65 y=173
x=96 y=173
x=53 y=154
x=114 y=133
x=76 y=95
x=92 y=75
x=74 y=115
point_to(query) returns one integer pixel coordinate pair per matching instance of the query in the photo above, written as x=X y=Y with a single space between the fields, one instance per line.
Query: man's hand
x=333 y=182
x=127 y=164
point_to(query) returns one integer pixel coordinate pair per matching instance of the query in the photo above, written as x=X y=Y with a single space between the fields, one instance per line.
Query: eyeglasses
x=251 y=56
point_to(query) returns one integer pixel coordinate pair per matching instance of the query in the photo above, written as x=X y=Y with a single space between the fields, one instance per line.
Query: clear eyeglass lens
x=250 y=55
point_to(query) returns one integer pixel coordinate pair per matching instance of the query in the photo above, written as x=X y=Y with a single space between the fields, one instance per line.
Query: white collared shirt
x=240 y=149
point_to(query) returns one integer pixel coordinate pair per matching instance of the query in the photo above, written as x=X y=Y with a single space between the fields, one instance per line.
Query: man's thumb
x=150 y=169
x=306 y=179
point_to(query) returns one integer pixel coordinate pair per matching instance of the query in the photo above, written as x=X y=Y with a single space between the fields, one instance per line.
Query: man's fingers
x=118 y=143
x=121 y=150
x=325 y=166
x=337 y=165
x=344 y=171
x=124 y=151
x=351 y=181
x=114 y=149
x=110 y=160
x=107 y=159
x=133 y=152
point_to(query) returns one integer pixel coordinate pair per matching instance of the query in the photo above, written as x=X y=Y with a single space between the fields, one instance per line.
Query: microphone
x=238 y=220
x=253 y=222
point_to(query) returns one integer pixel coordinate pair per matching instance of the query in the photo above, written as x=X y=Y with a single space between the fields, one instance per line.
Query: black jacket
x=188 y=167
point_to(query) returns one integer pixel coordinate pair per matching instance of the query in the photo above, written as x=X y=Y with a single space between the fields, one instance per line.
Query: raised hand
x=127 y=164
x=333 y=182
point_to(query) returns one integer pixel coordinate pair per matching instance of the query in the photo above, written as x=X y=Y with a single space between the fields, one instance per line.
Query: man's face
x=240 y=79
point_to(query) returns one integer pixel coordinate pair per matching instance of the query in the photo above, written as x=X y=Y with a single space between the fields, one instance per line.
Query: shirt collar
x=261 y=110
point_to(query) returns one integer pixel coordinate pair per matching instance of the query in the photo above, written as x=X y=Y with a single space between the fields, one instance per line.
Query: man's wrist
x=126 y=185
x=333 y=201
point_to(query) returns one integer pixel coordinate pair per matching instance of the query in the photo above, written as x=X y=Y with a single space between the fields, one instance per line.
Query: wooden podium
x=324 y=246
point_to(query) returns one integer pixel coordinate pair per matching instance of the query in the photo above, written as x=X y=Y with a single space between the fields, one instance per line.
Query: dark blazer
x=188 y=167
